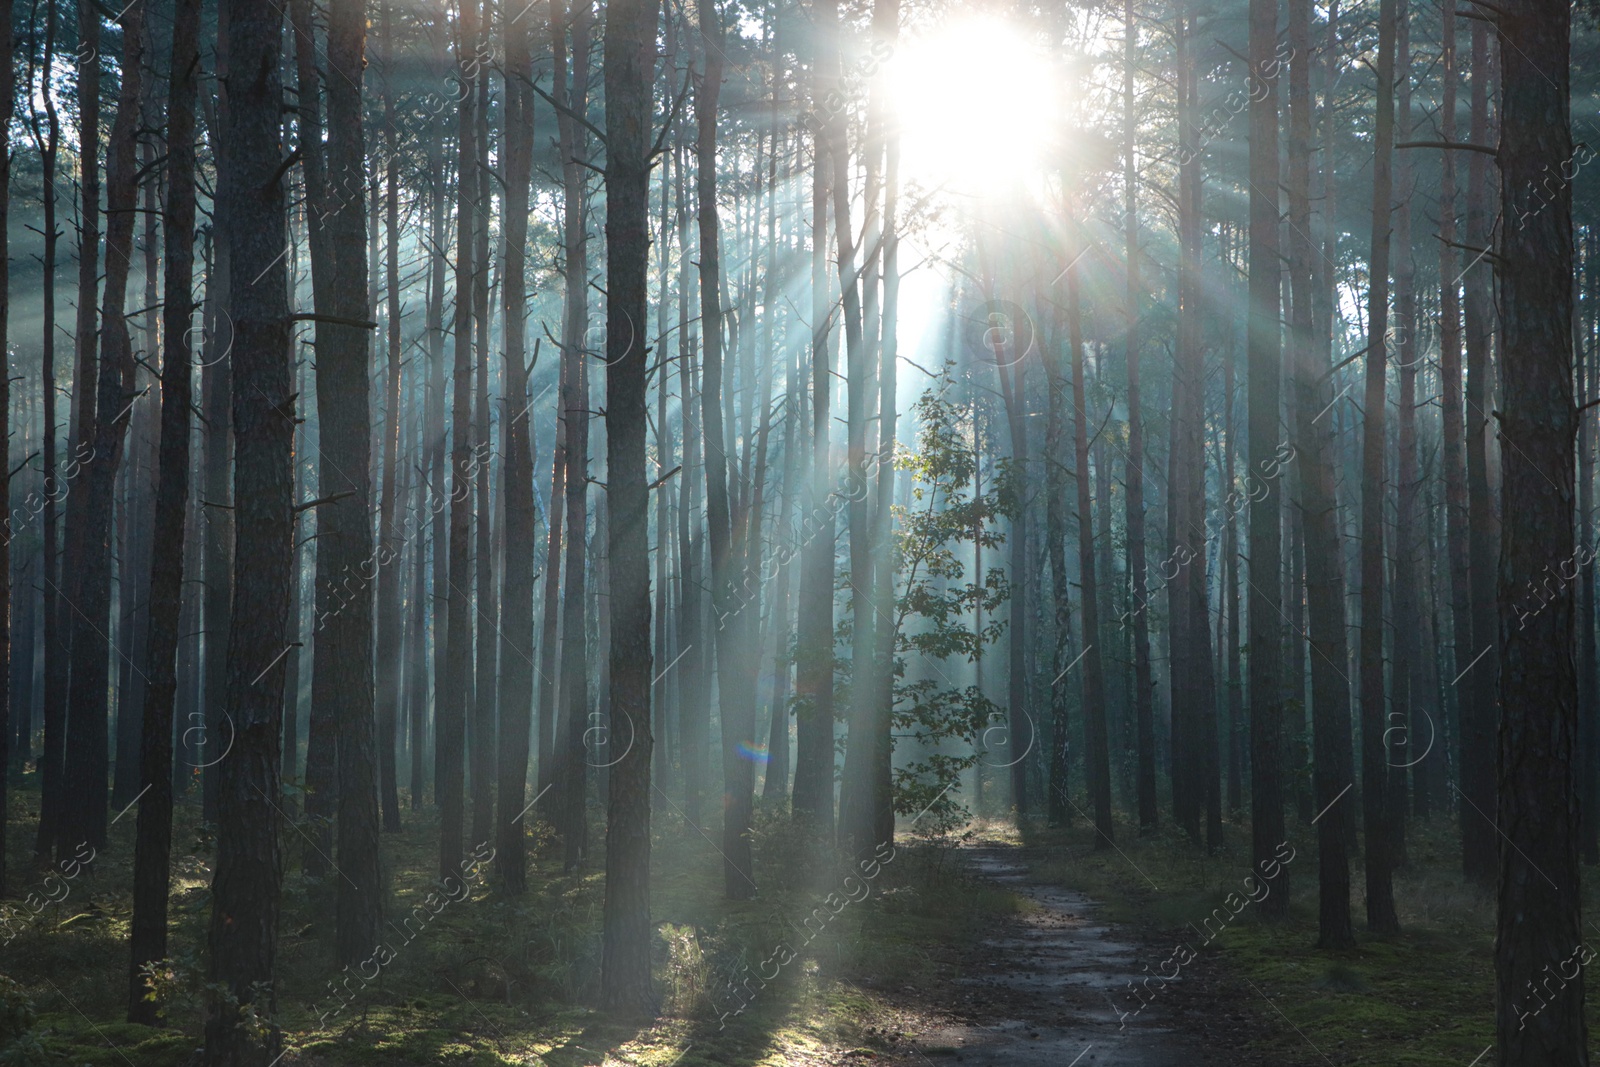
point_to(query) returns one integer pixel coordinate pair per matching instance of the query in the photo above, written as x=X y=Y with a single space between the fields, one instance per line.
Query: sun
x=977 y=104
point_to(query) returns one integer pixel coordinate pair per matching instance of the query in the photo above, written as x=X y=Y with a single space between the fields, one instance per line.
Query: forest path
x=1050 y=989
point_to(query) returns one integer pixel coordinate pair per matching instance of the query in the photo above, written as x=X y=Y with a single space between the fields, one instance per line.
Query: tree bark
x=1264 y=432
x=1477 y=728
x=735 y=683
x=516 y=638
x=1453 y=457
x=391 y=541
x=1316 y=481
x=629 y=76
x=153 y=834
x=1098 y=757
x=342 y=667
x=55 y=651
x=571 y=80
x=1143 y=682
x=321 y=789
x=1400 y=724
x=1381 y=915
x=451 y=704
x=246 y=884
x=812 y=799
x=108 y=415
x=1538 y=920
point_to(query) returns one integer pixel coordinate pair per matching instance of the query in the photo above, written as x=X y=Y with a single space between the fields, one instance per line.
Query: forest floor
x=821 y=968
x=1259 y=991
x=1029 y=948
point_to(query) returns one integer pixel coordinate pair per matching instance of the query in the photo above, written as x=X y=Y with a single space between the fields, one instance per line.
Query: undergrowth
x=1424 y=996
x=494 y=979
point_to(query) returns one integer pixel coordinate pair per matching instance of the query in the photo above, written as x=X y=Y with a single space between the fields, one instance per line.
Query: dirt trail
x=1049 y=988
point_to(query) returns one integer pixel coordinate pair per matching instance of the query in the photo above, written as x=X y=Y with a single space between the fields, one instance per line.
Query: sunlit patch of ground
x=491 y=980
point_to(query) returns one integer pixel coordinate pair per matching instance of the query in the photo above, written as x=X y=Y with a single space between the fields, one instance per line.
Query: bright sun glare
x=977 y=104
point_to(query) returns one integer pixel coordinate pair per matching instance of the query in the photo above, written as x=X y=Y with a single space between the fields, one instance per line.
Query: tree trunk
x=55 y=651
x=391 y=541
x=8 y=85
x=321 y=789
x=630 y=54
x=1539 y=906
x=1588 y=667
x=107 y=414
x=342 y=667
x=812 y=800
x=1058 y=801
x=1316 y=481
x=1477 y=728
x=572 y=769
x=1229 y=639
x=1374 y=771
x=1143 y=683
x=153 y=835
x=246 y=884
x=482 y=734
x=1453 y=461
x=516 y=638
x=438 y=493
x=1262 y=430
x=735 y=682
x=1399 y=724
x=1098 y=757
x=450 y=717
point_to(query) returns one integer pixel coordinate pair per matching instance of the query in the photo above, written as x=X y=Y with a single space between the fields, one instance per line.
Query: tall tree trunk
x=1319 y=506
x=1098 y=757
x=886 y=20
x=108 y=415
x=342 y=667
x=438 y=494
x=8 y=85
x=859 y=818
x=216 y=392
x=1400 y=722
x=661 y=773
x=1479 y=836
x=1539 y=905
x=1452 y=458
x=1588 y=667
x=1193 y=698
x=735 y=682
x=812 y=799
x=153 y=834
x=1143 y=683
x=695 y=713
x=55 y=651
x=71 y=795
x=417 y=657
x=516 y=638
x=247 y=880
x=1058 y=802
x=571 y=97
x=1233 y=683
x=391 y=541
x=630 y=56
x=1262 y=430
x=321 y=774
x=452 y=701
x=1381 y=915
x=482 y=734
